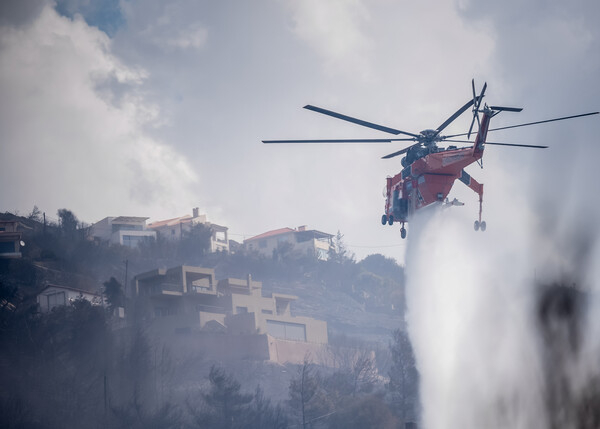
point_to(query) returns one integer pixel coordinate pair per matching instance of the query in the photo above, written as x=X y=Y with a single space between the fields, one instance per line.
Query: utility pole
x=126 y=269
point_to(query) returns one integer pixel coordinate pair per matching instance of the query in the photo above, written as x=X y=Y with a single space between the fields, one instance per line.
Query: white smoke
x=473 y=317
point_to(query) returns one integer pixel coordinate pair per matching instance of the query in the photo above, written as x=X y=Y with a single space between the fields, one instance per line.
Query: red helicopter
x=430 y=171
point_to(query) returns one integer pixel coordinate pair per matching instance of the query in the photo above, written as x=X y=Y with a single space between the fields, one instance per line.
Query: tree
x=224 y=406
x=404 y=377
x=337 y=250
x=383 y=266
x=67 y=222
x=113 y=291
x=35 y=214
x=263 y=415
x=356 y=372
x=284 y=251
x=195 y=243
x=307 y=397
x=135 y=416
x=363 y=413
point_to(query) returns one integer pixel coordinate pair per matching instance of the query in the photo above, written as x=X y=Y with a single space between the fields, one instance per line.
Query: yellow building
x=188 y=299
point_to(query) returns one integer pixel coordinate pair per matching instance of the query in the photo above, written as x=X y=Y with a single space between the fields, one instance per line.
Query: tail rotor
x=476 y=104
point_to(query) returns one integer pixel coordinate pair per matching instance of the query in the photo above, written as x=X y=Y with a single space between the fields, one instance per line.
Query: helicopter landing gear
x=480 y=225
x=387 y=219
x=390 y=221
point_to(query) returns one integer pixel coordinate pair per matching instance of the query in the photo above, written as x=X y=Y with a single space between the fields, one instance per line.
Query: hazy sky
x=150 y=108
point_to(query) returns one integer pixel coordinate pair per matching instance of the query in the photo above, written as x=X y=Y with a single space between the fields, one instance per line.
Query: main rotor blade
x=506 y=109
x=400 y=152
x=476 y=108
x=358 y=121
x=337 y=141
x=501 y=144
x=475 y=112
x=524 y=125
x=456 y=115
x=543 y=122
x=517 y=145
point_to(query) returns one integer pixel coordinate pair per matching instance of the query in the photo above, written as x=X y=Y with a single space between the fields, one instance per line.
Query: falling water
x=494 y=348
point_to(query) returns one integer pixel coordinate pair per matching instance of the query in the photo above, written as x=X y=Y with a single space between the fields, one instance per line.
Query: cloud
x=20 y=12
x=68 y=139
x=106 y=14
x=336 y=30
x=166 y=26
x=194 y=36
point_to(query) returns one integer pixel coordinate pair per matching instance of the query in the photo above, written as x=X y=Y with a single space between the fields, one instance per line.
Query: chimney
x=195 y=212
x=249 y=281
x=302 y=228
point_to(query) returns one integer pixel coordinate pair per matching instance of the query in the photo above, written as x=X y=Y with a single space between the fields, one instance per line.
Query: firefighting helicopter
x=429 y=171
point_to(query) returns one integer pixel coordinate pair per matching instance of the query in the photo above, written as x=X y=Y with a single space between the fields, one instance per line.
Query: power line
x=376 y=247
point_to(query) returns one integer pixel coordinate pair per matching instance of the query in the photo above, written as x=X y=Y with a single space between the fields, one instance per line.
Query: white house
x=54 y=295
x=311 y=242
x=124 y=230
x=176 y=228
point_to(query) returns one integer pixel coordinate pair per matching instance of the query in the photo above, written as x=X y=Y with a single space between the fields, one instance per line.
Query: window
x=56 y=299
x=267 y=311
x=134 y=240
x=126 y=227
x=163 y=311
x=7 y=246
x=241 y=310
x=322 y=254
x=262 y=244
x=286 y=330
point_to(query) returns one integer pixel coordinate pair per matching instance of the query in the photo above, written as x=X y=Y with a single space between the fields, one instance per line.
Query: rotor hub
x=429 y=137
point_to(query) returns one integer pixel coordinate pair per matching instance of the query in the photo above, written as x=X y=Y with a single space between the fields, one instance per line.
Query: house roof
x=311 y=233
x=273 y=233
x=74 y=289
x=171 y=222
x=129 y=219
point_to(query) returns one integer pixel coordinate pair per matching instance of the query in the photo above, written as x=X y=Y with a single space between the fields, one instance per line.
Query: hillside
x=81 y=356
x=362 y=299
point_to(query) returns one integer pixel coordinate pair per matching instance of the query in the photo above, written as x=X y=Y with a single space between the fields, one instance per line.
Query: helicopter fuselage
x=429 y=178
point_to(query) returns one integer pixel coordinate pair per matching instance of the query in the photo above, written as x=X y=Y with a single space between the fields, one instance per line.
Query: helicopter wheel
x=403 y=233
x=391 y=220
x=476 y=225
x=482 y=225
x=384 y=219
